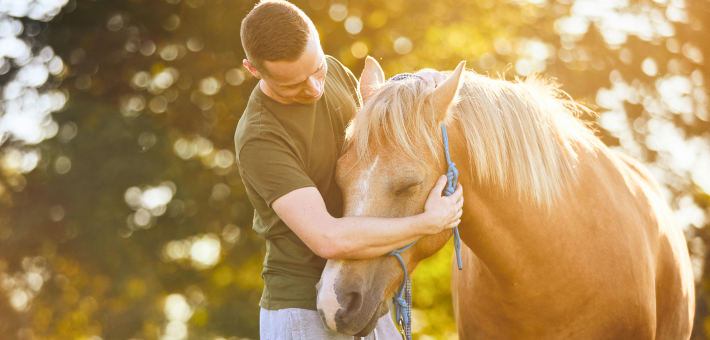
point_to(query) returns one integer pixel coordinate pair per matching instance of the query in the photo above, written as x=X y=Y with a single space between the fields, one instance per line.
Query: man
x=287 y=143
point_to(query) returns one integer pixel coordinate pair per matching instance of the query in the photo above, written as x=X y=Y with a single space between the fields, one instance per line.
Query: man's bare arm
x=304 y=211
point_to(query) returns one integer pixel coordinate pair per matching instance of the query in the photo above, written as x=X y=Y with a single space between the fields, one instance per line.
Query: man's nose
x=313 y=88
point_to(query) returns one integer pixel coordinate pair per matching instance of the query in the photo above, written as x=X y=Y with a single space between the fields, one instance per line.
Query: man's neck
x=267 y=91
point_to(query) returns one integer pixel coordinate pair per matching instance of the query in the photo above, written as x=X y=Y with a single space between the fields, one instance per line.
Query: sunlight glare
x=205 y=251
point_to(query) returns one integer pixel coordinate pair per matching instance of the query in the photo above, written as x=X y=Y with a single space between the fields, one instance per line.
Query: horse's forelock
x=400 y=116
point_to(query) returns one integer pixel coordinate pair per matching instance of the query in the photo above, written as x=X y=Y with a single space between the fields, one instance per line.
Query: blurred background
x=122 y=215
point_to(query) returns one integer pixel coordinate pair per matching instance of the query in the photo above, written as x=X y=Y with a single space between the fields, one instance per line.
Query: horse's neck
x=507 y=233
x=492 y=226
x=486 y=226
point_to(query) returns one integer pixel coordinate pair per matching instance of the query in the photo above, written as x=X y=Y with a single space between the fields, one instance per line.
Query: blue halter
x=402 y=299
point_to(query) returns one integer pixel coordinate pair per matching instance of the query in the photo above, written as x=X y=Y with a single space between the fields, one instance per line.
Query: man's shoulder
x=340 y=69
x=254 y=122
x=332 y=62
x=343 y=80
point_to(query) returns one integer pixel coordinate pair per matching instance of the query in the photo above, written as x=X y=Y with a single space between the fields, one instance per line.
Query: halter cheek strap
x=402 y=299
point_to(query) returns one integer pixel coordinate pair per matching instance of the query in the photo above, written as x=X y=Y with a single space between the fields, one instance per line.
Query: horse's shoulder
x=638 y=169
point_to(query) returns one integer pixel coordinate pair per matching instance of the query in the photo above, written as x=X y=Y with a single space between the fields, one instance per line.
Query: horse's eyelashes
x=402 y=192
x=408 y=190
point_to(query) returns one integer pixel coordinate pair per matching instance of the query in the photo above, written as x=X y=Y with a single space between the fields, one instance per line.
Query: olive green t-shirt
x=281 y=148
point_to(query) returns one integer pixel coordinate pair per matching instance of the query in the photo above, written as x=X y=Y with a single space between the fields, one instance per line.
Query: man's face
x=299 y=81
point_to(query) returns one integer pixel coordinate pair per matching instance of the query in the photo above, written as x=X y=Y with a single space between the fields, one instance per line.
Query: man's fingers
x=458 y=214
x=458 y=193
x=439 y=186
x=459 y=204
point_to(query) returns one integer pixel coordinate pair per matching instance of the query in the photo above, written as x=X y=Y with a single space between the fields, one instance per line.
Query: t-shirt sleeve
x=272 y=169
x=350 y=80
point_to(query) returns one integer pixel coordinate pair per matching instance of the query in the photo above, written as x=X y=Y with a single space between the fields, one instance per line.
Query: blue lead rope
x=402 y=307
x=452 y=175
x=402 y=299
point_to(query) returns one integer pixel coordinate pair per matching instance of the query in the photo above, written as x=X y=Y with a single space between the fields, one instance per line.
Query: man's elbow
x=330 y=249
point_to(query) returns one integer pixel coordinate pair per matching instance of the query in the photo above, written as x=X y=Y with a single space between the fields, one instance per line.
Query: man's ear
x=251 y=69
x=444 y=94
x=371 y=79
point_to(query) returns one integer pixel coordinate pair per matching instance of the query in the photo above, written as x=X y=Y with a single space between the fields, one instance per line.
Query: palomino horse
x=563 y=238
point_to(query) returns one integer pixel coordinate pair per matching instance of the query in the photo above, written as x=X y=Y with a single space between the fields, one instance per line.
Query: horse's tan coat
x=603 y=260
x=607 y=263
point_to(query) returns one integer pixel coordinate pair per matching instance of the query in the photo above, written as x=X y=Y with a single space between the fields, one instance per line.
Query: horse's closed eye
x=408 y=190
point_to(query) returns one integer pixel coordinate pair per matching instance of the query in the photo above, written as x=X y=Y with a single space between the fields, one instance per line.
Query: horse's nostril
x=354 y=301
x=351 y=304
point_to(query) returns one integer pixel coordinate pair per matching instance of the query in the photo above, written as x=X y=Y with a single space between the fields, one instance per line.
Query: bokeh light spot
x=649 y=67
x=147 y=139
x=83 y=82
x=67 y=132
x=205 y=251
x=224 y=158
x=142 y=218
x=169 y=52
x=234 y=77
x=359 y=50
x=402 y=45
x=62 y=165
x=141 y=80
x=231 y=233
x=353 y=25
x=457 y=38
x=20 y=300
x=115 y=22
x=176 y=308
x=487 y=61
x=377 y=19
x=158 y=104
x=195 y=44
x=220 y=192
x=210 y=86
x=56 y=213
x=338 y=12
x=147 y=48
x=172 y=22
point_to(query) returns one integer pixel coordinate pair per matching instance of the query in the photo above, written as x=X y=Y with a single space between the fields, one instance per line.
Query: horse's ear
x=371 y=79
x=445 y=93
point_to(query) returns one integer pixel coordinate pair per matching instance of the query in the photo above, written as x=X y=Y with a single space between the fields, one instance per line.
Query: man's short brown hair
x=275 y=30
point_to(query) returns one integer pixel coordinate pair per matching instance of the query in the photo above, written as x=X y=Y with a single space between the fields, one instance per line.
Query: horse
x=563 y=238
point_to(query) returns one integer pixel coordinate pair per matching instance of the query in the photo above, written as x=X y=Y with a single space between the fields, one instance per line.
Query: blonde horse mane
x=520 y=135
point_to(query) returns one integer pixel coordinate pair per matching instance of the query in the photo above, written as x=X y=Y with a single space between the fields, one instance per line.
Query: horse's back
x=675 y=290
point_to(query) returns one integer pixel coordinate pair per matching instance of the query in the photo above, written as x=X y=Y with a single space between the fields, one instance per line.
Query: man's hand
x=444 y=211
x=432 y=77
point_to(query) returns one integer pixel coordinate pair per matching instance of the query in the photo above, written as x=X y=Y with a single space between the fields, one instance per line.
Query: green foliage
x=123 y=212
x=431 y=296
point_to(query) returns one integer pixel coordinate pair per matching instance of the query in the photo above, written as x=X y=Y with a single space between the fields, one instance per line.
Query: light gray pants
x=303 y=324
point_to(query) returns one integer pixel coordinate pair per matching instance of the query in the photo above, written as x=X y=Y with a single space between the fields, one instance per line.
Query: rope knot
x=400 y=306
x=452 y=175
